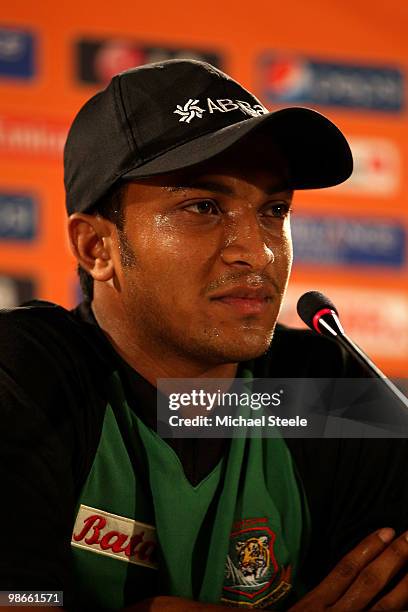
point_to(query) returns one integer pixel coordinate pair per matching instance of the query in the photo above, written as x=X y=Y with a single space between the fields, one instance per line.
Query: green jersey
x=236 y=537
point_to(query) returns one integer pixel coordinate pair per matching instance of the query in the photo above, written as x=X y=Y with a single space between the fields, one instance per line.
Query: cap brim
x=317 y=152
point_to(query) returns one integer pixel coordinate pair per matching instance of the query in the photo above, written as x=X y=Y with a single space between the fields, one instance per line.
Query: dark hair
x=109 y=207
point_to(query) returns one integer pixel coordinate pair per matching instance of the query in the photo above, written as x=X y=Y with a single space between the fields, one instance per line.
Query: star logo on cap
x=189 y=110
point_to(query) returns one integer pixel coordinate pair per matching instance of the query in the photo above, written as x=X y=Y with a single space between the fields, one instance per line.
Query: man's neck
x=153 y=364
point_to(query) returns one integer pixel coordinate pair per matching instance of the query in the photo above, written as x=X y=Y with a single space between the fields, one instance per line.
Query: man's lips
x=244 y=292
x=245 y=300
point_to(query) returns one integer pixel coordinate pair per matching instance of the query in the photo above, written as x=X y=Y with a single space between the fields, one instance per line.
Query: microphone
x=320 y=314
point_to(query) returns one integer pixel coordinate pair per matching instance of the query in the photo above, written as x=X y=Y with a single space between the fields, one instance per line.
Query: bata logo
x=192 y=108
x=115 y=536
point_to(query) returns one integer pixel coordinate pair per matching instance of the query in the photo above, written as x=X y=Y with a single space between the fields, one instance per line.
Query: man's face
x=205 y=257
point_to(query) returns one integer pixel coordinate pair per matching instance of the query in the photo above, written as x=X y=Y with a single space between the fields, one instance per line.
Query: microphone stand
x=337 y=332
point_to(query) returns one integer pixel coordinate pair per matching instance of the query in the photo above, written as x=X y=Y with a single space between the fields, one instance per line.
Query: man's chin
x=246 y=348
x=242 y=356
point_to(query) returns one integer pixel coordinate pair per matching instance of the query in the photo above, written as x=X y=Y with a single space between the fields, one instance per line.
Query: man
x=179 y=189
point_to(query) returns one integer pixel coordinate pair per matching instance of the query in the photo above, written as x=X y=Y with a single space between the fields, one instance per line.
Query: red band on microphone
x=318 y=316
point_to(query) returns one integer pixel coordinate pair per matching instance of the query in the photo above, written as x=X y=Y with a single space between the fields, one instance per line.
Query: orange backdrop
x=35 y=112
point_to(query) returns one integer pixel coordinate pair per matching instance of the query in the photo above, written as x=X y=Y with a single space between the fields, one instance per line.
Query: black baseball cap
x=170 y=115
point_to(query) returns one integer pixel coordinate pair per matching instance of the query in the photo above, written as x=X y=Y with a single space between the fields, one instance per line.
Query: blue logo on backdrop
x=16 y=53
x=323 y=240
x=18 y=217
x=308 y=81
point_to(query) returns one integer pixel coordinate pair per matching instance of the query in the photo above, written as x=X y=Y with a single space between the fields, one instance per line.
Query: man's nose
x=245 y=244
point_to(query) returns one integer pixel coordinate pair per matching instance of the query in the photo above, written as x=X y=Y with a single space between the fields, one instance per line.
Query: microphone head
x=310 y=304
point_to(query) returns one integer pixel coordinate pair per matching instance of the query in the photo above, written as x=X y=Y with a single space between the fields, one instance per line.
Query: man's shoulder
x=34 y=317
x=34 y=327
x=45 y=343
x=44 y=325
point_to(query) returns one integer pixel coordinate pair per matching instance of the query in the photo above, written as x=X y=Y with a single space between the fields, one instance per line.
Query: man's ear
x=90 y=240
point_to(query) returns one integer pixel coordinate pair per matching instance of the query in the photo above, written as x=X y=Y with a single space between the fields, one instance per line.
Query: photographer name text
x=238 y=421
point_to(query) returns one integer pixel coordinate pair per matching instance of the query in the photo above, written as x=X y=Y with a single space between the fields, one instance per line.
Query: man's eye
x=203 y=207
x=279 y=210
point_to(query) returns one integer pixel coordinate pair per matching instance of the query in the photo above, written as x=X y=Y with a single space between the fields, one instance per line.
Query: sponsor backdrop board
x=347 y=61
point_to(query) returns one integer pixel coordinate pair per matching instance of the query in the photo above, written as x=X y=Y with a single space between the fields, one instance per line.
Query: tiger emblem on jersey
x=253 y=578
x=253 y=557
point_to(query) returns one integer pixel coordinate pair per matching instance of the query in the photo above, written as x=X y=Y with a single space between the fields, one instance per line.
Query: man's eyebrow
x=216 y=187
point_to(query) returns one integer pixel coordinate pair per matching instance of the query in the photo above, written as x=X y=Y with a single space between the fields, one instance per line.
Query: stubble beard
x=204 y=345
